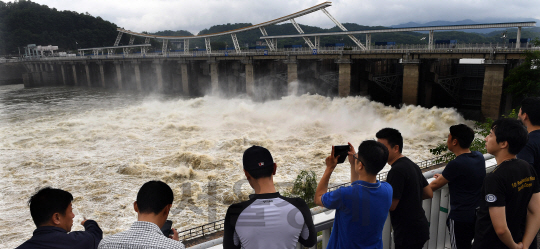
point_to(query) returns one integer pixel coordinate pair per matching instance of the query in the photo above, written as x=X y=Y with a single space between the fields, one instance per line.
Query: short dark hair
x=464 y=135
x=393 y=137
x=373 y=155
x=46 y=202
x=531 y=106
x=154 y=196
x=511 y=131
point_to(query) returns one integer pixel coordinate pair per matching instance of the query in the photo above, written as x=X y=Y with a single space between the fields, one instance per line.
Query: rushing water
x=102 y=146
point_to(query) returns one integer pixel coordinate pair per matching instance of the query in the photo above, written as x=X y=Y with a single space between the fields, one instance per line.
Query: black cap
x=258 y=162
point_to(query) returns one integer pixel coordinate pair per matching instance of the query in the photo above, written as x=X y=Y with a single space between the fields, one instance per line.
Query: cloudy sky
x=194 y=15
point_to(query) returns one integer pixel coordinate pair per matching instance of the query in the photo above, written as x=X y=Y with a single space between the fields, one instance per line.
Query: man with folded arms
x=509 y=215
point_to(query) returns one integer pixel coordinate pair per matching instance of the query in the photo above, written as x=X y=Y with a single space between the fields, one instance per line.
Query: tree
x=524 y=80
x=305 y=186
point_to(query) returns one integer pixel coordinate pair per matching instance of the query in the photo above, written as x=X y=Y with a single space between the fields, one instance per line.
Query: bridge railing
x=390 y=49
x=436 y=211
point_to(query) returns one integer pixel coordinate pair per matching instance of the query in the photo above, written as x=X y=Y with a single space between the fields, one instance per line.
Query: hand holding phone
x=342 y=151
x=166 y=229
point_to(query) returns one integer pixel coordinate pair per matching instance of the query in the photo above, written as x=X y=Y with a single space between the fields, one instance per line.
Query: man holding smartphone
x=154 y=200
x=362 y=207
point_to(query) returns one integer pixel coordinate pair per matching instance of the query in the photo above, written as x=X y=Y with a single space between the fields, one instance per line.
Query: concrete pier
x=344 y=83
x=250 y=79
x=101 y=73
x=292 y=76
x=87 y=68
x=159 y=75
x=64 y=80
x=118 y=67
x=410 y=83
x=74 y=69
x=136 y=67
x=492 y=90
x=185 y=77
x=214 y=76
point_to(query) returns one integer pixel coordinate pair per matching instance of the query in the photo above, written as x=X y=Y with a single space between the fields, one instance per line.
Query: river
x=102 y=145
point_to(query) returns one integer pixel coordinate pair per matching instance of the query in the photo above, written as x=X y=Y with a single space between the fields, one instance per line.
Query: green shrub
x=305 y=186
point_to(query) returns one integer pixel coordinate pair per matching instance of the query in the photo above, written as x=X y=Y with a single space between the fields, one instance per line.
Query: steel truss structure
x=271 y=41
x=390 y=83
x=451 y=85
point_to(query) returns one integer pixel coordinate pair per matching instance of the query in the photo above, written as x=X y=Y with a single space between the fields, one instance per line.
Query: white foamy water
x=102 y=146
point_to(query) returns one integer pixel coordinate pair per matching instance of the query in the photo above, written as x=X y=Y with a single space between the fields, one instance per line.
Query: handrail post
x=326 y=237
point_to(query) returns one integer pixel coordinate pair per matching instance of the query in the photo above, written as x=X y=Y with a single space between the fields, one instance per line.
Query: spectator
x=154 y=201
x=529 y=114
x=509 y=215
x=362 y=207
x=410 y=187
x=464 y=176
x=52 y=212
x=267 y=219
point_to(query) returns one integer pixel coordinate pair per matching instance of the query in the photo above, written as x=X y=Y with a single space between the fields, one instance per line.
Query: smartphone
x=342 y=151
x=167 y=228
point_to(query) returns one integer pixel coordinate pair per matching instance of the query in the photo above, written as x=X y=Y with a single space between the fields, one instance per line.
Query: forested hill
x=24 y=22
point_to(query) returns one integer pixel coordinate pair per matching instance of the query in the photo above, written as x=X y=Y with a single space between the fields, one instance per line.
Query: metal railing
x=436 y=211
x=385 y=49
x=213 y=227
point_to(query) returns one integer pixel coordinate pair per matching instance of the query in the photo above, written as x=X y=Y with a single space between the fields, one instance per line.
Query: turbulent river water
x=102 y=145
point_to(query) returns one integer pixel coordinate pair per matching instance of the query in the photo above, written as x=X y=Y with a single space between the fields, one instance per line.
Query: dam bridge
x=424 y=74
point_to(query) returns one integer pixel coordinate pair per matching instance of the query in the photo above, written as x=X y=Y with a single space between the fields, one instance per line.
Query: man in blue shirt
x=464 y=176
x=53 y=215
x=362 y=208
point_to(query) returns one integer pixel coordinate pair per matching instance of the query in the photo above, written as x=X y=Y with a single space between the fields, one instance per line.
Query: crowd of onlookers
x=499 y=209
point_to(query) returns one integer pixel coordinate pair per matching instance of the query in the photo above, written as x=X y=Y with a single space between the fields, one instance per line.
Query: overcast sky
x=195 y=15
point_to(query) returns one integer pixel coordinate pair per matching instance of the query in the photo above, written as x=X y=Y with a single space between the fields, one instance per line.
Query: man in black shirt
x=511 y=197
x=464 y=175
x=267 y=219
x=529 y=114
x=52 y=213
x=411 y=228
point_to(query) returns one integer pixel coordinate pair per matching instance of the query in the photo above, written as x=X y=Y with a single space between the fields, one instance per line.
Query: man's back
x=268 y=221
x=465 y=175
x=531 y=151
x=408 y=219
x=361 y=211
x=140 y=235
x=510 y=185
x=57 y=238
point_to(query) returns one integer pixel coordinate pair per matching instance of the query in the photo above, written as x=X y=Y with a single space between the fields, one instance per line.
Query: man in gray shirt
x=154 y=201
x=267 y=219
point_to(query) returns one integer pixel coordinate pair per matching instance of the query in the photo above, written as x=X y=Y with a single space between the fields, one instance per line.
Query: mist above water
x=103 y=146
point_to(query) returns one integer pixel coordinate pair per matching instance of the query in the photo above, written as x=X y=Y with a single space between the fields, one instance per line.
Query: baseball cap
x=258 y=162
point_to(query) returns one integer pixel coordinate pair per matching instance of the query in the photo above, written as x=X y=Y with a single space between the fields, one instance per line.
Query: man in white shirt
x=154 y=201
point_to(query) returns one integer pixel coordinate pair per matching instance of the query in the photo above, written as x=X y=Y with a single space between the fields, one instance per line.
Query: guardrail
x=436 y=210
x=216 y=226
x=393 y=49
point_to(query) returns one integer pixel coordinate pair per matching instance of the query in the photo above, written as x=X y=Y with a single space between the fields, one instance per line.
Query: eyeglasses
x=357 y=159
